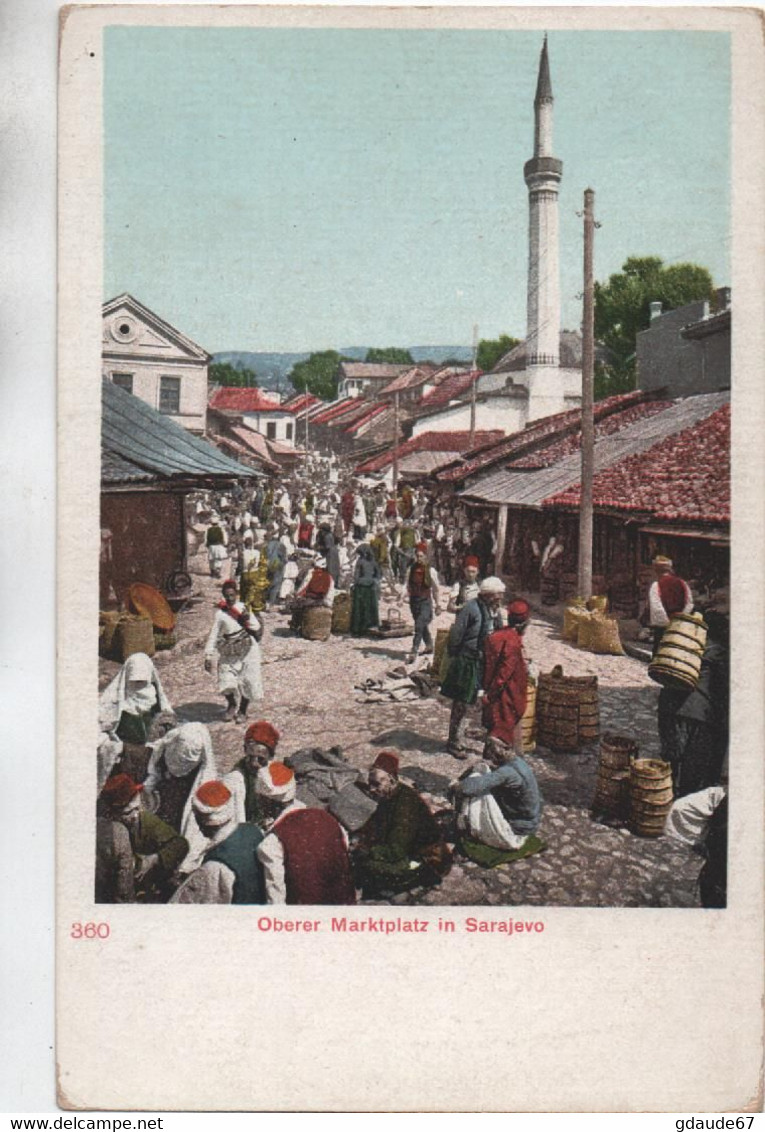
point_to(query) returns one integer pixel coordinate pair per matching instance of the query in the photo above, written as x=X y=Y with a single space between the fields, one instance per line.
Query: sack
x=573 y=615
x=600 y=634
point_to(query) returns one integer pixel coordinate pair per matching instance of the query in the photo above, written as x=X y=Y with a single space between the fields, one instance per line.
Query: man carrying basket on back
x=667 y=596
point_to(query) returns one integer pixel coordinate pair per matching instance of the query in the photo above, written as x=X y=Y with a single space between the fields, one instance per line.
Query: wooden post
x=584 y=580
x=395 y=443
x=472 y=387
x=499 y=555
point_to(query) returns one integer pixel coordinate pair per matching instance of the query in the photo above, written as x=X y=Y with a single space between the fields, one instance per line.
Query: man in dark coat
x=157 y=848
x=475 y=621
x=401 y=845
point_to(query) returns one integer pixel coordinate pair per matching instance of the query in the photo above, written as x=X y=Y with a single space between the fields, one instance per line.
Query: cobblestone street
x=310 y=697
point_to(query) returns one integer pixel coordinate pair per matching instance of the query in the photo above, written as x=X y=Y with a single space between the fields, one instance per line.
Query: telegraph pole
x=395 y=443
x=472 y=386
x=584 y=580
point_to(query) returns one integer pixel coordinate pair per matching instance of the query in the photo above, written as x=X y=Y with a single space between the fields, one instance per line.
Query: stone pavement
x=309 y=696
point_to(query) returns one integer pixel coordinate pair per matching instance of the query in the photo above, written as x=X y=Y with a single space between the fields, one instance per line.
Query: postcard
x=410 y=539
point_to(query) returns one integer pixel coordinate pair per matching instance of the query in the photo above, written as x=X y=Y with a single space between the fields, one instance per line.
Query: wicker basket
x=677 y=663
x=133 y=634
x=149 y=602
x=316 y=623
x=165 y=640
x=108 y=621
x=612 y=793
x=341 y=613
x=650 y=796
x=529 y=720
x=568 y=715
x=617 y=751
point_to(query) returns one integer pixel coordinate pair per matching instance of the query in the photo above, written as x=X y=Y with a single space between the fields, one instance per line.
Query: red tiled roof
x=430 y=442
x=300 y=402
x=534 y=435
x=369 y=414
x=238 y=400
x=414 y=376
x=567 y=445
x=332 y=410
x=450 y=388
x=685 y=477
x=255 y=443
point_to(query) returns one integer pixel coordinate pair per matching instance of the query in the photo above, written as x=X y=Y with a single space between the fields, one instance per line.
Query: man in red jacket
x=305 y=851
x=667 y=596
x=505 y=678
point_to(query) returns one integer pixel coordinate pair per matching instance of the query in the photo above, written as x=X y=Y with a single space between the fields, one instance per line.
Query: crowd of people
x=171 y=828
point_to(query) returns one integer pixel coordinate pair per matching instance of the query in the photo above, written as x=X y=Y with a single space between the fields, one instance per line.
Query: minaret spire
x=543 y=174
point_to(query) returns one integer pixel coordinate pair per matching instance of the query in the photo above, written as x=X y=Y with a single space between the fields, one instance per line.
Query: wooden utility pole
x=584 y=580
x=395 y=443
x=472 y=386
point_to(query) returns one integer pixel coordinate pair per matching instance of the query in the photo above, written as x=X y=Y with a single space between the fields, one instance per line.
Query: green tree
x=223 y=373
x=490 y=350
x=317 y=374
x=393 y=355
x=623 y=308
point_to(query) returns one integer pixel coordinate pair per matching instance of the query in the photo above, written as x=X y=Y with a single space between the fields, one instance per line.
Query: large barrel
x=529 y=720
x=567 y=711
x=677 y=662
x=650 y=796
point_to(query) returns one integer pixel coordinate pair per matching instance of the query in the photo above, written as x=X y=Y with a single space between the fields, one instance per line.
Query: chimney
x=722 y=299
x=655 y=310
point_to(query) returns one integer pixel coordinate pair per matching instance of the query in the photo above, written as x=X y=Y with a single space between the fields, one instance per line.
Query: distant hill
x=272 y=368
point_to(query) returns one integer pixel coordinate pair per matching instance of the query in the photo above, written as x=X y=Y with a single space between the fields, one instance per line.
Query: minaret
x=542 y=175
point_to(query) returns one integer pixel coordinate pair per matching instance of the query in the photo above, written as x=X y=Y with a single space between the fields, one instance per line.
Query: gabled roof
x=331 y=411
x=234 y=399
x=452 y=387
x=685 y=477
x=537 y=434
x=429 y=442
x=376 y=371
x=368 y=415
x=138 y=442
x=567 y=445
x=531 y=487
x=412 y=377
x=157 y=323
x=301 y=402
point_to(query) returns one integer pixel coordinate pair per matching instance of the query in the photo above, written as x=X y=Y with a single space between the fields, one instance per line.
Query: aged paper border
x=609 y=1010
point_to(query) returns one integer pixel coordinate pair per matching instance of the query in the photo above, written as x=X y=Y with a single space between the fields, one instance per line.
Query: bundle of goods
x=612 y=791
x=392 y=626
x=599 y=633
x=341 y=613
x=677 y=662
x=567 y=712
x=529 y=720
x=650 y=796
x=316 y=624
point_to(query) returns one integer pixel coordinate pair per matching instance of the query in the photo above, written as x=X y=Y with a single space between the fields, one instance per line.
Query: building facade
x=146 y=356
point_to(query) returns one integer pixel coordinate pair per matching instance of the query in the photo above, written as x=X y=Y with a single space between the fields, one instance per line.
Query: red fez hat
x=213 y=794
x=119 y=790
x=423 y=546
x=519 y=610
x=471 y=560
x=387 y=761
x=230 y=582
x=262 y=732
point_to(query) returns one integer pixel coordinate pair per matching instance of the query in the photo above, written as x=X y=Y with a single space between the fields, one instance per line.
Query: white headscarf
x=184 y=748
x=136 y=688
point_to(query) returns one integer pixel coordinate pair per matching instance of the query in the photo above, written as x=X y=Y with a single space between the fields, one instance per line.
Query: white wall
x=260 y=421
x=146 y=385
x=493 y=413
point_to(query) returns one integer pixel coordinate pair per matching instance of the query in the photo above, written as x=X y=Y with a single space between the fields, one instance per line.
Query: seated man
x=317 y=589
x=260 y=741
x=498 y=802
x=230 y=872
x=401 y=845
x=305 y=851
x=157 y=849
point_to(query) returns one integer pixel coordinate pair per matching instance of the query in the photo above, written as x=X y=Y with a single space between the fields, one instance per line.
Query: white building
x=157 y=363
x=259 y=412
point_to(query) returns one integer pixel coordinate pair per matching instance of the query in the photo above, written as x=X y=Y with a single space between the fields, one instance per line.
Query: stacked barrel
x=612 y=792
x=677 y=662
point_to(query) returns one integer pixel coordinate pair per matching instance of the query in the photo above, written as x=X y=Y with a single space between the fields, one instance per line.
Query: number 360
x=90 y=931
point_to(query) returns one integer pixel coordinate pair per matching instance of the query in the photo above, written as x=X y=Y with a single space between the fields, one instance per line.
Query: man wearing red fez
x=260 y=742
x=230 y=872
x=505 y=678
x=667 y=596
x=401 y=845
x=234 y=639
x=305 y=851
x=157 y=848
x=422 y=587
x=467 y=588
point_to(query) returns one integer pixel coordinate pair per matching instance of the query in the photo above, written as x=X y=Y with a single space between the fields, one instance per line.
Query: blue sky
x=299 y=189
